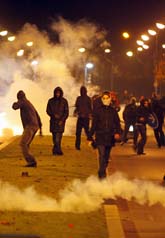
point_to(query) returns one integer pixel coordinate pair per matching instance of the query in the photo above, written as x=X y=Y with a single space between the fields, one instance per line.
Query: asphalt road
x=146 y=218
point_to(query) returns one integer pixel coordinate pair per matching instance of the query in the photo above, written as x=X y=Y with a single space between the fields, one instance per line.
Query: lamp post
x=156 y=57
x=34 y=64
x=88 y=65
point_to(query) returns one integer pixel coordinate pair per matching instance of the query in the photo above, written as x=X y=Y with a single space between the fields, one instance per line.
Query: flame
x=6 y=129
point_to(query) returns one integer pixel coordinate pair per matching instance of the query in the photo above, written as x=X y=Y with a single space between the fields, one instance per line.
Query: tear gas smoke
x=56 y=63
x=82 y=196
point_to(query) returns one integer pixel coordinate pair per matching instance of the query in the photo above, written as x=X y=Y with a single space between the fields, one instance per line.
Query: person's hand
x=89 y=142
x=141 y=119
x=60 y=123
x=56 y=116
x=117 y=136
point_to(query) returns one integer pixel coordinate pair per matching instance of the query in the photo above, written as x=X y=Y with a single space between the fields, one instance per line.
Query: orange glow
x=5 y=126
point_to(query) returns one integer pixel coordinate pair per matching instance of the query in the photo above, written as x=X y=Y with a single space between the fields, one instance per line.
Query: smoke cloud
x=58 y=64
x=82 y=196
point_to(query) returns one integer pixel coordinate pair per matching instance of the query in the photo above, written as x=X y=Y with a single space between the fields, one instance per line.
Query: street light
x=29 y=43
x=20 y=52
x=126 y=35
x=160 y=26
x=129 y=53
x=11 y=38
x=3 y=33
x=145 y=37
x=82 y=50
x=88 y=65
x=156 y=56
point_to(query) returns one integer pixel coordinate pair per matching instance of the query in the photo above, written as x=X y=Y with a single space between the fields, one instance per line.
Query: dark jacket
x=142 y=113
x=83 y=104
x=158 y=110
x=129 y=113
x=105 y=124
x=58 y=110
x=29 y=115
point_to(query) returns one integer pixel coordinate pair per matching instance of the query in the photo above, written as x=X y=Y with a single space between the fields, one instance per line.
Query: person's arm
x=76 y=108
x=17 y=105
x=117 y=126
x=93 y=127
x=48 y=109
x=39 y=123
x=66 y=111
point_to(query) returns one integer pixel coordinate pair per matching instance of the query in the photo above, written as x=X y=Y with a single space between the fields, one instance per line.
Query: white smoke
x=82 y=196
x=56 y=63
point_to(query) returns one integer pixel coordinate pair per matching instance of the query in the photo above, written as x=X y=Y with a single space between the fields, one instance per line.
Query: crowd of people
x=105 y=127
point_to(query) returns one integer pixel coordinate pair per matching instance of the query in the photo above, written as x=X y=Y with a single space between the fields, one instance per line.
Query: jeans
x=159 y=135
x=27 y=137
x=126 y=130
x=57 y=137
x=81 y=123
x=141 y=130
x=104 y=155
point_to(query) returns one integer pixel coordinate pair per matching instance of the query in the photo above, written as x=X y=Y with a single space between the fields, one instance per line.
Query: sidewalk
x=140 y=221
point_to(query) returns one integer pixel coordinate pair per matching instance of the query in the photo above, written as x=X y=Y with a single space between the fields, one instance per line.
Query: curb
x=7 y=142
x=114 y=226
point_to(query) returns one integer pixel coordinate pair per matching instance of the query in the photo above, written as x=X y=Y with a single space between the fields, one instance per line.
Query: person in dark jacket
x=106 y=129
x=31 y=123
x=83 y=110
x=58 y=111
x=158 y=132
x=129 y=116
x=142 y=115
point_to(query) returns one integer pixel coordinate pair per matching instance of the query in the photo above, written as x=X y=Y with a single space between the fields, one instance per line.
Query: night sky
x=114 y=15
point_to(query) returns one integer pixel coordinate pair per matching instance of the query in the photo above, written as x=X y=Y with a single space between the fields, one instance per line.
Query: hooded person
x=105 y=129
x=58 y=111
x=129 y=116
x=142 y=114
x=83 y=110
x=31 y=123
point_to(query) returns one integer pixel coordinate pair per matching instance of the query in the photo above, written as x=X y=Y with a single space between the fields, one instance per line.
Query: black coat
x=142 y=112
x=129 y=113
x=58 y=110
x=105 y=124
x=83 y=106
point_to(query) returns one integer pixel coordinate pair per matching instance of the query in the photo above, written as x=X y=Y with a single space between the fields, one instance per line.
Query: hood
x=60 y=90
x=20 y=95
x=83 y=91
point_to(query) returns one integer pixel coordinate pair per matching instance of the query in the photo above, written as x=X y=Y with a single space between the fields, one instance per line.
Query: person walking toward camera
x=129 y=116
x=142 y=115
x=58 y=111
x=31 y=123
x=106 y=129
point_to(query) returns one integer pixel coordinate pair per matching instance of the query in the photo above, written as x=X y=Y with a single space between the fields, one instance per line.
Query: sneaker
x=122 y=143
x=134 y=147
x=141 y=153
x=34 y=164
x=77 y=148
x=93 y=144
